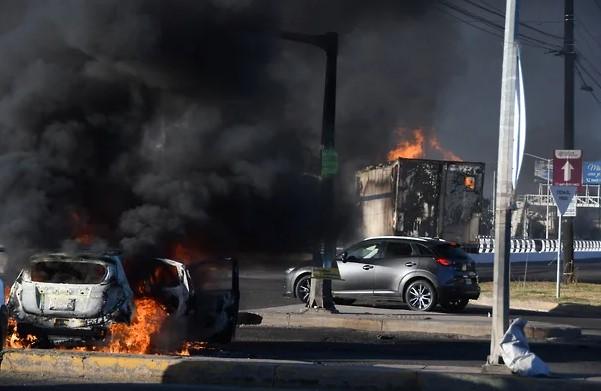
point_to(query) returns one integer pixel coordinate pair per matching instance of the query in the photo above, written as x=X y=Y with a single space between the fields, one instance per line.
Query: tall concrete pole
x=568 y=129
x=504 y=189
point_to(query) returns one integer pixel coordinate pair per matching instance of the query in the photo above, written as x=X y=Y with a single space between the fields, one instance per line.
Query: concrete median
x=104 y=367
x=379 y=320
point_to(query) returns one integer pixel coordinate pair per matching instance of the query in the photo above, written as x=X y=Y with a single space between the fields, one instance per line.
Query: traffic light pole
x=568 y=136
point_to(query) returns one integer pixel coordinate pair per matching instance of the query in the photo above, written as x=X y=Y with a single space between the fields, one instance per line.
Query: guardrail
x=534 y=249
x=487 y=245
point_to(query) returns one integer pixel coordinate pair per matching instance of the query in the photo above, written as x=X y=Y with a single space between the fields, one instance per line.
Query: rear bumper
x=460 y=290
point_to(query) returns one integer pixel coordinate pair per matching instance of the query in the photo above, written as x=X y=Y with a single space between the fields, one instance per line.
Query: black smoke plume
x=146 y=123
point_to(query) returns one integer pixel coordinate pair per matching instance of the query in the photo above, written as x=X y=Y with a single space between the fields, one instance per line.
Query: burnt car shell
x=202 y=298
x=70 y=298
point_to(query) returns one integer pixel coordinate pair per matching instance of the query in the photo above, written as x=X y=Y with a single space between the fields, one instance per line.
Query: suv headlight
x=290 y=270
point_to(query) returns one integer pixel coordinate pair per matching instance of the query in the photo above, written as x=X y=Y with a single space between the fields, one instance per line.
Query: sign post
x=567 y=171
x=564 y=196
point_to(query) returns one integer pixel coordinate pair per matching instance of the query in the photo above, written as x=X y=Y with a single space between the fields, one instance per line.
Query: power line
x=495 y=33
x=583 y=68
x=588 y=32
x=502 y=14
x=532 y=40
x=585 y=85
x=588 y=62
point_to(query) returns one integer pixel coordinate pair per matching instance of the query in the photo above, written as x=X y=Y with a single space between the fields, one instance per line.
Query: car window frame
x=364 y=244
x=388 y=242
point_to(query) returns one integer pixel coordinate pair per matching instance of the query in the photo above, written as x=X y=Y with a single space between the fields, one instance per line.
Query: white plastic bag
x=516 y=352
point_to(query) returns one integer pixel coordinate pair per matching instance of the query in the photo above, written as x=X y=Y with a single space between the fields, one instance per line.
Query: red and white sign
x=567 y=167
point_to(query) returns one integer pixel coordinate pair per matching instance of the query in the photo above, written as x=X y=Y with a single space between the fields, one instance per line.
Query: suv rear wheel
x=420 y=296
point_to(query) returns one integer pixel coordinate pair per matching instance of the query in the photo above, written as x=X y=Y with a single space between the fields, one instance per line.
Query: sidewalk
x=395 y=320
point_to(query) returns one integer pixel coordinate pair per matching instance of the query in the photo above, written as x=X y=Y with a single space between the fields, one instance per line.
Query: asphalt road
x=261 y=288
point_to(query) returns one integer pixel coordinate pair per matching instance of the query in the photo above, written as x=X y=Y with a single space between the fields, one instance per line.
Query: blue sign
x=592 y=173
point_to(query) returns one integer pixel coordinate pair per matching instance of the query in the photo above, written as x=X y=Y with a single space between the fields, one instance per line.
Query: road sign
x=563 y=196
x=543 y=170
x=567 y=167
x=592 y=173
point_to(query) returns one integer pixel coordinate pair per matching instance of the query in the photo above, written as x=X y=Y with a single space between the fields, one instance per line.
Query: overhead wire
x=585 y=85
x=526 y=39
x=502 y=14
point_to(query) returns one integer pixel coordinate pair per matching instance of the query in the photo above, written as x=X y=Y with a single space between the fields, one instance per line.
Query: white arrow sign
x=567 y=171
x=563 y=195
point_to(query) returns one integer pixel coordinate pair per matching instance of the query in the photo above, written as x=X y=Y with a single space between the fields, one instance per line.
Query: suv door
x=357 y=268
x=398 y=260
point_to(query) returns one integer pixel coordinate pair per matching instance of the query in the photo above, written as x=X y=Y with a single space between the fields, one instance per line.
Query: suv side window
x=397 y=249
x=369 y=250
x=423 y=250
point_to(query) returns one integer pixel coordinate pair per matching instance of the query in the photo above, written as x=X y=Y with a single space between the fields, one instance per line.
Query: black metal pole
x=321 y=288
x=568 y=135
x=328 y=178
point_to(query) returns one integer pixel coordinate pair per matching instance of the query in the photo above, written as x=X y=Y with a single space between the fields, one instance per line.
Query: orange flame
x=409 y=149
x=83 y=231
x=415 y=147
x=446 y=154
x=136 y=337
x=185 y=253
x=14 y=341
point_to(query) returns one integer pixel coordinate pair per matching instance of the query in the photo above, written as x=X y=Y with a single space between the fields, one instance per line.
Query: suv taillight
x=443 y=261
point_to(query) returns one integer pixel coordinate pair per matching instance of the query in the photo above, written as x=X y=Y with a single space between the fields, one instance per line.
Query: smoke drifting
x=158 y=122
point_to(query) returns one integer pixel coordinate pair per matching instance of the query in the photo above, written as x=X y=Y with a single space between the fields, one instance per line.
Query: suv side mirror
x=343 y=256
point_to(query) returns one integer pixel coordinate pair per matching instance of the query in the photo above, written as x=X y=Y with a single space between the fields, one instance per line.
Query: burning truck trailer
x=87 y=301
x=418 y=197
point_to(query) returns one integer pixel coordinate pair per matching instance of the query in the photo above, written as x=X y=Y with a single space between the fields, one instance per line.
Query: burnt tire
x=454 y=305
x=302 y=288
x=420 y=295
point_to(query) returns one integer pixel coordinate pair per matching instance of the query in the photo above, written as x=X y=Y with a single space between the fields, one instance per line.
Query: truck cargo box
x=417 y=197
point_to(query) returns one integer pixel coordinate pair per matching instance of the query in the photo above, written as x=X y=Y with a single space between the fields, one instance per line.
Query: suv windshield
x=451 y=252
x=65 y=272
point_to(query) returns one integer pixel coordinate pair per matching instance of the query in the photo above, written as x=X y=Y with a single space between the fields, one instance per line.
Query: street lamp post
x=548 y=161
x=321 y=288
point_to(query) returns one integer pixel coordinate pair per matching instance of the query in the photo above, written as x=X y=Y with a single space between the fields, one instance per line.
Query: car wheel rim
x=420 y=297
x=304 y=289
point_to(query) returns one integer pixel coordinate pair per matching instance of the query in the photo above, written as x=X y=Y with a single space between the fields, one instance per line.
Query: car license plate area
x=61 y=304
x=468 y=281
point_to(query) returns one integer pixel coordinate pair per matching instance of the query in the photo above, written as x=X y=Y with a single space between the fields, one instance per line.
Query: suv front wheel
x=420 y=295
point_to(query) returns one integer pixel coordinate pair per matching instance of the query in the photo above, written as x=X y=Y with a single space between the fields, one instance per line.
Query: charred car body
x=202 y=299
x=62 y=298
x=73 y=299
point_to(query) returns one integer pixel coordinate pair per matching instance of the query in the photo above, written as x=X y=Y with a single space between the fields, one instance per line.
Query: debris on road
x=516 y=352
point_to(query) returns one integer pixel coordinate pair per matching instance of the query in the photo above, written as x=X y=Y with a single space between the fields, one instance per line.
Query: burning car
x=70 y=298
x=138 y=306
x=201 y=299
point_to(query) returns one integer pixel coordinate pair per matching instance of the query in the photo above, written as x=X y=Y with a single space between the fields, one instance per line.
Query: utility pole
x=568 y=130
x=321 y=288
x=504 y=189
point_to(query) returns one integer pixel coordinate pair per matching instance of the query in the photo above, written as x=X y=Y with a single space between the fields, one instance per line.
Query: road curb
x=424 y=324
x=525 y=305
x=260 y=373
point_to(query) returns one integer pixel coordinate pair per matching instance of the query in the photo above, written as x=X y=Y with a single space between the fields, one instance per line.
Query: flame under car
x=70 y=298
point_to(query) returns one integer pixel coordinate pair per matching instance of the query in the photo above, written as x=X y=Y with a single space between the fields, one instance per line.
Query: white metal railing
x=487 y=245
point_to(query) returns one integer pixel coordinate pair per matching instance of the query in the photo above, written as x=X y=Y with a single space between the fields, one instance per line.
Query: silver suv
x=422 y=272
